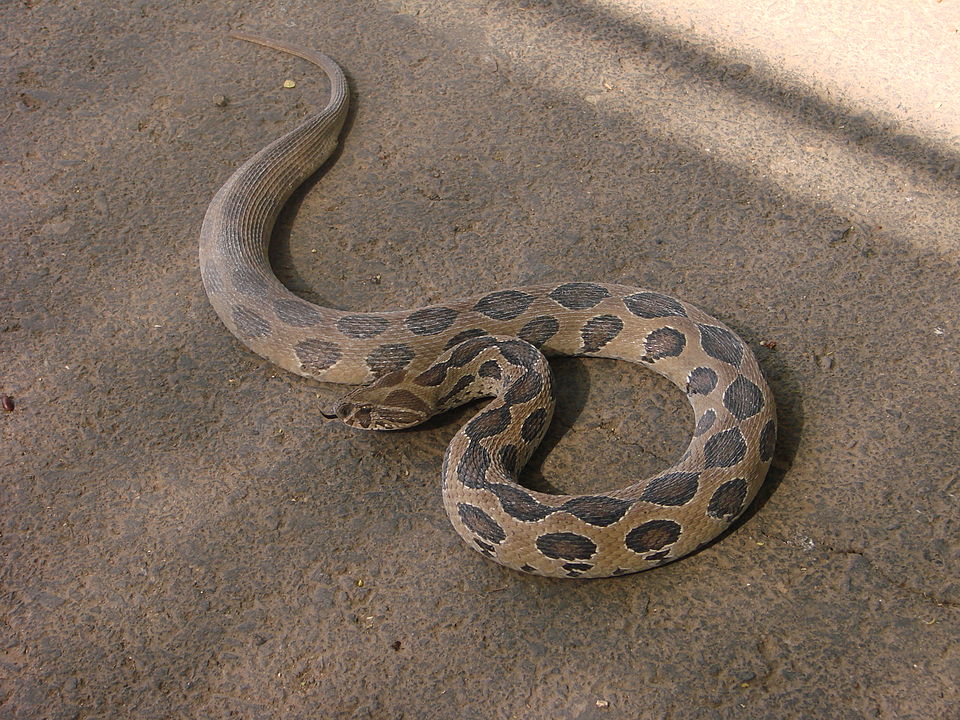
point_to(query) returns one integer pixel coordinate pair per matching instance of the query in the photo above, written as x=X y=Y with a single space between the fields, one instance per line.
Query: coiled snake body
x=420 y=362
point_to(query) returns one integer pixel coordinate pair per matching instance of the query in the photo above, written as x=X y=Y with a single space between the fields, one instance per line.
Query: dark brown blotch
x=704 y=423
x=464 y=335
x=524 y=389
x=566 y=546
x=701 y=381
x=362 y=326
x=726 y=503
x=432 y=376
x=662 y=343
x=576 y=569
x=597 y=510
x=672 y=489
x=654 y=305
x=297 y=313
x=725 y=449
x=504 y=305
x=652 y=535
x=490 y=369
x=480 y=523
x=430 y=321
x=520 y=353
x=539 y=330
x=469 y=349
x=743 y=398
x=600 y=330
x=720 y=343
x=533 y=426
x=485 y=548
x=579 y=295
x=389 y=358
x=487 y=423
x=315 y=355
x=249 y=324
x=519 y=504
x=473 y=466
x=768 y=440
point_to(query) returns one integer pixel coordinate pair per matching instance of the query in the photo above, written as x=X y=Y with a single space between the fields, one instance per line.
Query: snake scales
x=417 y=363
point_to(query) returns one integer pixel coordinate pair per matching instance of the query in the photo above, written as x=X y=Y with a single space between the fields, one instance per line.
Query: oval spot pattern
x=597 y=510
x=599 y=331
x=490 y=369
x=539 y=330
x=664 y=342
x=704 y=423
x=362 y=326
x=652 y=535
x=249 y=324
x=298 y=313
x=533 y=426
x=725 y=449
x=317 y=355
x=653 y=305
x=464 y=335
x=566 y=546
x=469 y=349
x=481 y=523
x=720 y=343
x=473 y=465
x=742 y=398
x=503 y=305
x=727 y=501
x=432 y=376
x=768 y=440
x=520 y=353
x=431 y=321
x=525 y=389
x=520 y=505
x=579 y=295
x=388 y=358
x=672 y=489
x=490 y=422
x=701 y=381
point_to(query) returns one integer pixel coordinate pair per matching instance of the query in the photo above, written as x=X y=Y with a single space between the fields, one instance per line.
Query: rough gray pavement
x=184 y=536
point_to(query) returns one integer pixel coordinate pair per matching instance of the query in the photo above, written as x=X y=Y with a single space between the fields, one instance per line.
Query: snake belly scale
x=416 y=363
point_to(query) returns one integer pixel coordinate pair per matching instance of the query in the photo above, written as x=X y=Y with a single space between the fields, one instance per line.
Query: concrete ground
x=184 y=536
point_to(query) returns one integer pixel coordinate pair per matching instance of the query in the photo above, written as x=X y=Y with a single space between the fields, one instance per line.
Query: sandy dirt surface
x=183 y=534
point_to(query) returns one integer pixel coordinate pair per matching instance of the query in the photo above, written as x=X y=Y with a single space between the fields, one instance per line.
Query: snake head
x=381 y=408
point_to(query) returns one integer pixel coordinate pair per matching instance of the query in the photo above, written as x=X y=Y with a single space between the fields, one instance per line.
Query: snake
x=412 y=364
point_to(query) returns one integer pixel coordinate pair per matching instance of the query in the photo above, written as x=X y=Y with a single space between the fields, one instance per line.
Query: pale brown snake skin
x=433 y=358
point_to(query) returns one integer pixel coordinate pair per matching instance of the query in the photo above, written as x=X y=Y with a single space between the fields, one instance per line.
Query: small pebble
x=771 y=344
x=289 y=84
x=221 y=100
x=7 y=403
